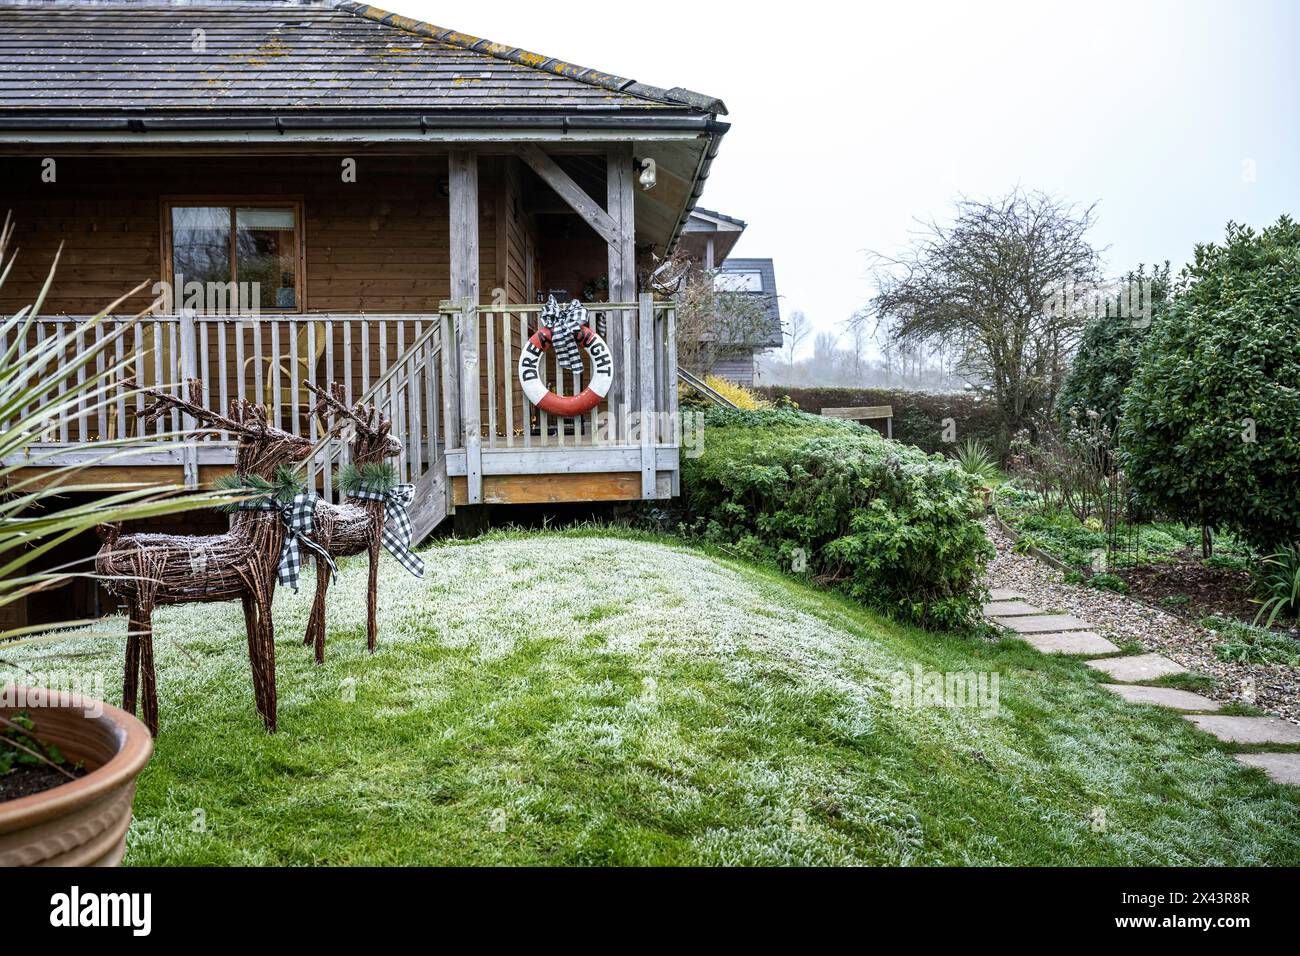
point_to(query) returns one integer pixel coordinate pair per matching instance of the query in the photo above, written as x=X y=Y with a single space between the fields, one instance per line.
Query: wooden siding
x=377 y=245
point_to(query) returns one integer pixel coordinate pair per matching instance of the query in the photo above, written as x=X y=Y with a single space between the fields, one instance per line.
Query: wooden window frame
x=167 y=203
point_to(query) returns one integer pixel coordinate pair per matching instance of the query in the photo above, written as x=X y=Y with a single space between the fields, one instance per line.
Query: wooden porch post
x=462 y=182
x=622 y=273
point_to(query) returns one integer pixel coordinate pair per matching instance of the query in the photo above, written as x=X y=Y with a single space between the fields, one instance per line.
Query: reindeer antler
x=333 y=403
x=245 y=419
x=164 y=402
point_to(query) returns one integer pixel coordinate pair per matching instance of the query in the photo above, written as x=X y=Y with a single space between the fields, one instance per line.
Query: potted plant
x=72 y=766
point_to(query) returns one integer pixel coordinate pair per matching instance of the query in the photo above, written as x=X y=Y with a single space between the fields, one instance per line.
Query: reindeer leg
x=148 y=675
x=131 y=679
x=372 y=594
x=316 y=624
x=253 y=617
x=269 y=706
x=261 y=651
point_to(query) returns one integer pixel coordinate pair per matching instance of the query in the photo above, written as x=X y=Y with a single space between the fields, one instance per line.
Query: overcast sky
x=850 y=120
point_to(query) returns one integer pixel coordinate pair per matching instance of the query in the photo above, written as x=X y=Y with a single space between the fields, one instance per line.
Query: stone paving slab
x=1138 y=668
x=1281 y=768
x=1072 y=642
x=1163 y=697
x=1248 y=730
x=1009 y=609
x=1042 y=623
x=1004 y=594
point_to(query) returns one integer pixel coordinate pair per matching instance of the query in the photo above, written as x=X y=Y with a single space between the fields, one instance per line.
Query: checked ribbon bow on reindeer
x=397 y=523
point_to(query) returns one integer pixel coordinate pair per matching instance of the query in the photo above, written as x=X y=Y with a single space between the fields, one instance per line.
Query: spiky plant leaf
x=35 y=514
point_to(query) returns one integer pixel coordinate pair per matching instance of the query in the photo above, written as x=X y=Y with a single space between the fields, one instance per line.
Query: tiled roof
x=238 y=56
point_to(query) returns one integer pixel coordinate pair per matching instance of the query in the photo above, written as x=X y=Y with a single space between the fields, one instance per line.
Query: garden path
x=1054 y=633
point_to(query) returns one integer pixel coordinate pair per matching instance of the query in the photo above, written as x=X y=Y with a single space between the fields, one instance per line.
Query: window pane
x=738 y=282
x=201 y=243
x=267 y=254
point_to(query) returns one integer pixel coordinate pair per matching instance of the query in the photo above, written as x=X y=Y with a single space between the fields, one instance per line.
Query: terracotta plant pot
x=82 y=822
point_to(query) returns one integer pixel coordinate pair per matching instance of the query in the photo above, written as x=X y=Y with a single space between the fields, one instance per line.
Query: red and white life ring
x=530 y=379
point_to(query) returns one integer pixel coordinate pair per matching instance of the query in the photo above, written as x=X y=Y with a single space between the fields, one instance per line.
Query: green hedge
x=918 y=416
x=893 y=526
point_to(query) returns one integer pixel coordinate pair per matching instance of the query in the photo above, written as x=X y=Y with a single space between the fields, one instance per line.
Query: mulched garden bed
x=1208 y=590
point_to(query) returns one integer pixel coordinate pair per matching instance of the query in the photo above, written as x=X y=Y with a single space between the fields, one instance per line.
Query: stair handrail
x=389 y=374
x=691 y=380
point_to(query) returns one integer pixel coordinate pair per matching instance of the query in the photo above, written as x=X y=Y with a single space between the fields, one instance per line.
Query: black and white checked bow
x=397 y=523
x=298 y=529
x=564 y=323
x=297 y=534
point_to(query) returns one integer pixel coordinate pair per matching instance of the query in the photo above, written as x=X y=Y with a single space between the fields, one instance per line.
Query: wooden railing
x=447 y=381
x=407 y=393
x=498 y=431
x=645 y=369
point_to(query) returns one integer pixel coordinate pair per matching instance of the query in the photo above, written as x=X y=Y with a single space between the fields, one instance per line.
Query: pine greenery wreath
x=378 y=476
x=282 y=487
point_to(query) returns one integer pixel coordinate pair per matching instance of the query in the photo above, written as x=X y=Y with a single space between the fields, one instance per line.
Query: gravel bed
x=1276 y=687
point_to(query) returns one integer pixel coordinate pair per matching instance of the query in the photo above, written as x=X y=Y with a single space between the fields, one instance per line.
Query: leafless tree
x=710 y=320
x=796 y=330
x=985 y=286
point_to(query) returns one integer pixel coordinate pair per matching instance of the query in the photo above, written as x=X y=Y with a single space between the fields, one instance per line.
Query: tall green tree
x=1210 y=430
x=1109 y=349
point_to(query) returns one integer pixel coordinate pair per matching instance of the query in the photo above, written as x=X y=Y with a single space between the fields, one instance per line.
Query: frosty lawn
x=585 y=698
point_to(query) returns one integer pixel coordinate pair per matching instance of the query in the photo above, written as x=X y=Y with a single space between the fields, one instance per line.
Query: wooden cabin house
x=328 y=191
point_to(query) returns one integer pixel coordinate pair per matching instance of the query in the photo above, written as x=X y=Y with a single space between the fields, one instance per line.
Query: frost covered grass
x=588 y=698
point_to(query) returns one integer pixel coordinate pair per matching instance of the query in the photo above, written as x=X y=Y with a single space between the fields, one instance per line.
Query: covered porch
x=415 y=284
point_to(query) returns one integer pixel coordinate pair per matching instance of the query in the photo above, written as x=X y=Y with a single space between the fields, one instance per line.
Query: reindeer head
x=262 y=447
x=372 y=438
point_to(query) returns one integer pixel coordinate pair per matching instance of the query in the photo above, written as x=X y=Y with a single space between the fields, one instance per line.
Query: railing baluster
x=241 y=372
x=274 y=400
x=430 y=398
x=259 y=396
x=223 y=371
x=294 y=373
x=137 y=369
x=508 y=373
x=525 y=410
x=491 y=363
x=365 y=354
x=101 y=405
x=202 y=326
x=347 y=358
x=83 y=404
x=118 y=358
x=63 y=385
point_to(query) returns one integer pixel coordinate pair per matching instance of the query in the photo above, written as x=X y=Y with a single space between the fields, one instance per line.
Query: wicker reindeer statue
x=153 y=569
x=373 y=511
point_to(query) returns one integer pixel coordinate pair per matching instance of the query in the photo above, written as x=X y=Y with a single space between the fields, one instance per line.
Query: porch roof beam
x=573 y=194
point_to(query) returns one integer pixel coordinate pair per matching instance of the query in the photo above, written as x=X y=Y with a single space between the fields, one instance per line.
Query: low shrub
x=738 y=395
x=889 y=524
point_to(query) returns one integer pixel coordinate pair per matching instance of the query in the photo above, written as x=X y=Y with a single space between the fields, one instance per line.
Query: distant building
x=709 y=237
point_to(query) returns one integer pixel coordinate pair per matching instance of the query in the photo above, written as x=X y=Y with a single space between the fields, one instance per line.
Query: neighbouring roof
x=703 y=225
x=764 y=269
x=86 y=56
x=709 y=217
